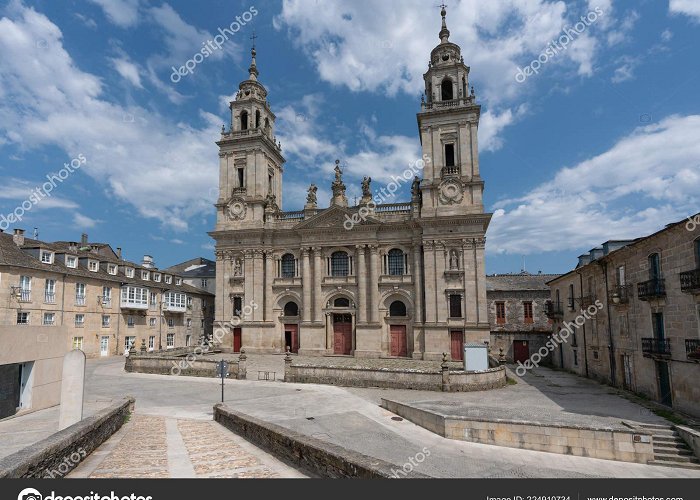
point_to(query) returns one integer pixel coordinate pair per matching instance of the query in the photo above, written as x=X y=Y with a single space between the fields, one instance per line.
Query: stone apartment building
x=517 y=314
x=376 y=279
x=58 y=296
x=199 y=273
x=646 y=336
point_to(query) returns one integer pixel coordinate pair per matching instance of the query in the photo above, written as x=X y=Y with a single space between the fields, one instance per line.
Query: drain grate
x=310 y=418
x=398 y=419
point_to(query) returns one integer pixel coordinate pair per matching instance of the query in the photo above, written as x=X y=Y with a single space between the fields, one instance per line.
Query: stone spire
x=253 y=70
x=444 y=32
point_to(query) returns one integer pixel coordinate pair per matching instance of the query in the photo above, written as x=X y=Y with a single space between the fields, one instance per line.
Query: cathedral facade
x=372 y=280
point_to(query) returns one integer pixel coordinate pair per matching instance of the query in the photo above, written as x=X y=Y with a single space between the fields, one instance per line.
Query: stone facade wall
x=187 y=365
x=51 y=457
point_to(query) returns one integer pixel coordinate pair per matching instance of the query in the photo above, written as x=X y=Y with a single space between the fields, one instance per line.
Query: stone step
x=680 y=449
x=682 y=465
x=656 y=426
x=673 y=457
x=663 y=432
x=668 y=439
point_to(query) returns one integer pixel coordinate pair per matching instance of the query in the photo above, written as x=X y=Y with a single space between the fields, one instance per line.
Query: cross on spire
x=254 y=37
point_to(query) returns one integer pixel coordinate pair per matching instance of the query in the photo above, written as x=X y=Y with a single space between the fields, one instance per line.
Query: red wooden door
x=399 y=345
x=237 y=340
x=293 y=341
x=521 y=350
x=342 y=334
x=457 y=345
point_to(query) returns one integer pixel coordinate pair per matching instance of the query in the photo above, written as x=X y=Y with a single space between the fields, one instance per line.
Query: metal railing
x=651 y=289
x=50 y=297
x=656 y=346
x=620 y=294
x=692 y=348
x=690 y=281
x=553 y=309
x=453 y=170
x=25 y=295
x=80 y=300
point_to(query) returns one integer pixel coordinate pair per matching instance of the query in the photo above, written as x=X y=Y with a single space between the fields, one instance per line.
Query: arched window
x=340 y=264
x=257 y=119
x=697 y=253
x=341 y=302
x=654 y=267
x=446 y=90
x=397 y=308
x=267 y=123
x=288 y=266
x=244 y=120
x=396 y=262
x=291 y=309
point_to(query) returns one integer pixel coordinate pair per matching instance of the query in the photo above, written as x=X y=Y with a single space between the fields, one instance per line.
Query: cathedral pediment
x=338 y=218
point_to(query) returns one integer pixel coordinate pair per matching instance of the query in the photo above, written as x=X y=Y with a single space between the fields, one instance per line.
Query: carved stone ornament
x=236 y=209
x=451 y=192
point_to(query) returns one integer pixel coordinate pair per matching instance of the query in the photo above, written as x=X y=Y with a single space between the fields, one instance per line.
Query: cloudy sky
x=602 y=143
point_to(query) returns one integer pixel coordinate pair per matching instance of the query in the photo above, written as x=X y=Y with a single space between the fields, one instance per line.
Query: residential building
x=645 y=337
x=199 y=273
x=371 y=280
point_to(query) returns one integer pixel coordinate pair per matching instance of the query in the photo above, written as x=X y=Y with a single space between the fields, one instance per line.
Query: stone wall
x=53 y=456
x=690 y=436
x=317 y=457
x=428 y=380
x=187 y=363
x=621 y=444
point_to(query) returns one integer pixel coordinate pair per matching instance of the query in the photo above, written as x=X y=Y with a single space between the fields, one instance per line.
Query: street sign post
x=222 y=371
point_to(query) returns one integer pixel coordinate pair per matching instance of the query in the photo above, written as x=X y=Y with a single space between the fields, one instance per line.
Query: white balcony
x=175 y=309
x=136 y=306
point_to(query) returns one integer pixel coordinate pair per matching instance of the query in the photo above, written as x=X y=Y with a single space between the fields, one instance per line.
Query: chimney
x=148 y=262
x=18 y=237
x=119 y=252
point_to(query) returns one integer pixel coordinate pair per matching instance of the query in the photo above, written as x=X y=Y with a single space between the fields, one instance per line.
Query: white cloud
x=84 y=222
x=128 y=70
x=164 y=172
x=688 y=7
x=625 y=70
x=123 y=13
x=87 y=21
x=19 y=190
x=655 y=169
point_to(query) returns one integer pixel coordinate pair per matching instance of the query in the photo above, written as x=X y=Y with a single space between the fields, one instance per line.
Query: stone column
x=470 y=273
x=373 y=284
x=417 y=283
x=440 y=266
x=259 y=285
x=480 y=266
x=72 y=389
x=248 y=284
x=306 y=285
x=430 y=292
x=361 y=272
x=269 y=277
x=221 y=287
x=318 y=277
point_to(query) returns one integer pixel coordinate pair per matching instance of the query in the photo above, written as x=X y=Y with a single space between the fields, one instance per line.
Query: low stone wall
x=187 y=363
x=315 y=456
x=690 y=436
x=393 y=378
x=609 y=444
x=61 y=452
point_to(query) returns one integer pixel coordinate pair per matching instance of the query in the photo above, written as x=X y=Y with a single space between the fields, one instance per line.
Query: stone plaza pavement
x=349 y=417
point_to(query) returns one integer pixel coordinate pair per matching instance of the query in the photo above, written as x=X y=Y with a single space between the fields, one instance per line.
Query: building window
x=25 y=289
x=654 y=267
x=134 y=296
x=188 y=340
x=241 y=177
x=396 y=261
x=130 y=321
x=527 y=312
x=49 y=319
x=22 y=318
x=151 y=342
x=202 y=324
x=620 y=275
x=340 y=264
x=455 y=306
x=78 y=343
x=71 y=262
x=341 y=302
x=168 y=280
x=152 y=322
x=153 y=300
x=112 y=269
x=697 y=253
x=46 y=257
x=238 y=306
x=171 y=323
x=449 y=155
x=189 y=301
x=106 y=296
x=106 y=319
x=397 y=308
x=156 y=277
x=571 y=297
x=129 y=342
x=170 y=340
x=291 y=309
x=657 y=324
x=80 y=294
x=93 y=266
x=189 y=323
x=595 y=355
x=178 y=281
x=205 y=283
x=129 y=272
x=50 y=292
x=244 y=120
x=500 y=313
x=575 y=357
x=446 y=90
x=288 y=266
x=79 y=320
x=174 y=300
x=145 y=275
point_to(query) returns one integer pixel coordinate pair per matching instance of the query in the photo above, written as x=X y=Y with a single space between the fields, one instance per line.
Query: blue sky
x=602 y=143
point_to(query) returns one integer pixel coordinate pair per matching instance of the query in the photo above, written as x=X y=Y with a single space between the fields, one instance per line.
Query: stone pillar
x=417 y=283
x=373 y=284
x=430 y=291
x=221 y=287
x=267 y=290
x=480 y=267
x=248 y=272
x=242 y=371
x=72 y=389
x=470 y=273
x=288 y=367
x=445 y=373
x=318 y=277
x=361 y=272
x=306 y=285
x=259 y=285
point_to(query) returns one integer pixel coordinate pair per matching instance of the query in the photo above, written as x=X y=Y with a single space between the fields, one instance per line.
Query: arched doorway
x=291 y=327
x=397 y=332
x=341 y=326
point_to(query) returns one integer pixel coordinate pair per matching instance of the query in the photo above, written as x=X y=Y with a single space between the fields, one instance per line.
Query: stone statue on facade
x=366 y=191
x=454 y=260
x=237 y=271
x=415 y=187
x=338 y=187
x=311 y=199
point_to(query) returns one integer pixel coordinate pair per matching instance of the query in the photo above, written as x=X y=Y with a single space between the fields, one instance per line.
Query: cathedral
x=400 y=280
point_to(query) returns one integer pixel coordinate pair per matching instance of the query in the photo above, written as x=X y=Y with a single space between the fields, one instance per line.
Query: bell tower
x=251 y=161
x=448 y=123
